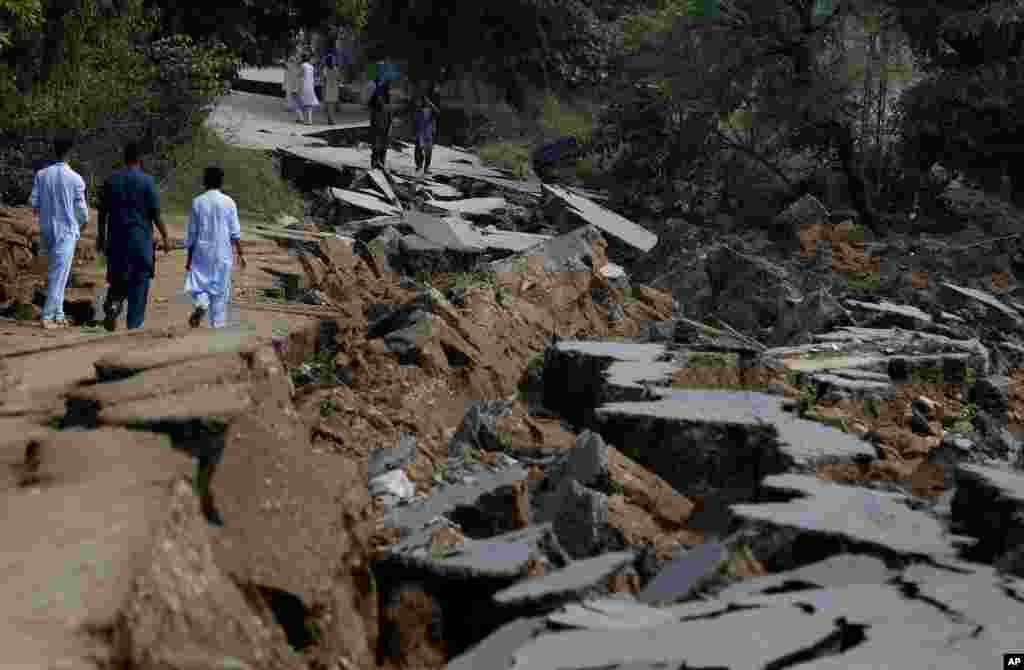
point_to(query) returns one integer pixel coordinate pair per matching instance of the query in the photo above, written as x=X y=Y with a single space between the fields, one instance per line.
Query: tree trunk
x=860 y=192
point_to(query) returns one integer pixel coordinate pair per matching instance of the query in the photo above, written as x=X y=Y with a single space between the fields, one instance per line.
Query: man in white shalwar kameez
x=58 y=199
x=213 y=229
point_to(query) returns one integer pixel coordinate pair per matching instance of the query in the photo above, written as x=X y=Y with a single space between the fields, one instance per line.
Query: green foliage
x=502 y=296
x=251 y=177
x=511 y=156
x=871 y=408
x=559 y=119
x=328 y=407
x=867 y=281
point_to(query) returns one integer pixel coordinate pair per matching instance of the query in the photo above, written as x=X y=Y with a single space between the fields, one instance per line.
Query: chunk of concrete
x=580 y=518
x=504 y=557
x=178 y=350
x=418 y=515
x=364 y=201
x=393 y=484
x=380 y=180
x=567 y=584
x=746 y=435
x=608 y=614
x=856 y=388
x=470 y=206
x=680 y=577
x=753 y=638
x=85 y=402
x=384 y=459
x=218 y=402
x=448 y=233
x=888 y=314
x=837 y=571
x=72 y=545
x=609 y=222
x=880 y=519
x=497 y=651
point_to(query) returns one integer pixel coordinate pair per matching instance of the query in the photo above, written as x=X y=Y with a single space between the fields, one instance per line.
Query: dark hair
x=62 y=145
x=213 y=177
x=132 y=153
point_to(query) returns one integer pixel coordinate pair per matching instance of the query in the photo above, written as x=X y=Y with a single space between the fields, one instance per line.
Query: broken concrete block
x=581 y=518
x=497 y=650
x=609 y=222
x=806 y=211
x=992 y=394
x=567 y=584
x=608 y=614
x=394 y=484
x=502 y=510
x=470 y=206
x=364 y=201
x=85 y=402
x=397 y=457
x=880 y=519
x=169 y=623
x=587 y=463
x=988 y=505
x=198 y=345
x=679 y=578
x=479 y=426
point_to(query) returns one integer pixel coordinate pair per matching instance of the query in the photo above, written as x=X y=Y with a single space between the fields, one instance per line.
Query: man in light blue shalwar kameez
x=58 y=198
x=213 y=229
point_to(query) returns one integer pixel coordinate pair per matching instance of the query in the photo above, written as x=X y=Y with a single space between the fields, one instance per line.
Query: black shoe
x=111 y=313
x=197 y=317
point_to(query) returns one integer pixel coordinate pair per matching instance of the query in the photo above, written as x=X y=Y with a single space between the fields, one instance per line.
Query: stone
x=817 y=312
x=607 y=221
x=869 y=517
x=683 y=575
x=581 y=518
x=479 y=426
x=382 y=460
x=806 y=211
x=203 y=344
x=394 y=483
x=587 y=462
x=925 y=406
x=919 y=423
x=567 y=584
x=992 y=394
x=748 y=292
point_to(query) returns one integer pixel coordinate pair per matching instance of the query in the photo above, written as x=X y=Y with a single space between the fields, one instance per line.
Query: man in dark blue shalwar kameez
x=129 y=207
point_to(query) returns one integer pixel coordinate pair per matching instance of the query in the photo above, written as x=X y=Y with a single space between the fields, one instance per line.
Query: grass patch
x=837 y=422
x=712 y=359
x=504 y=441
x=251 y=177
x=502 y=296
x=930 y=375
x=536 y=362
x=962 y=422
x=327 y=407
x=871 y=408
x=511 y=156
x=866 y=281
x=559 y=118
x=467 y=280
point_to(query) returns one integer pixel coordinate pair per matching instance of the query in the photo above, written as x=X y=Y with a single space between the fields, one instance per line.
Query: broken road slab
x=215 y=402
x=85 y=402
x=757 y=637
x=880 y=519
x=609 y=614
x=77 y=567
x=609 y=222
x=569 y=583
x=680 y=577
x=166 y=352
x=364 y=201
x=380 y=180
x=1003 y=315
x=449 y=232
x=470 y=206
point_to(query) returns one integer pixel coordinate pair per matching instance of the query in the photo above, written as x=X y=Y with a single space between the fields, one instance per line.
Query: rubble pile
x=501 y=450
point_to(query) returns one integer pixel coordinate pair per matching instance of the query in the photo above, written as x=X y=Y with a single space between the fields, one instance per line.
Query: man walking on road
x=424 y=121
x=58 y=199
x=213 y=229
x=380 y=123
x=129 y=208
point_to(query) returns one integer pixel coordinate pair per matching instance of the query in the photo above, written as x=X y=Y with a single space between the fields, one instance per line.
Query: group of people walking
x=424 y=121
x=300 y=79
x=128 y=211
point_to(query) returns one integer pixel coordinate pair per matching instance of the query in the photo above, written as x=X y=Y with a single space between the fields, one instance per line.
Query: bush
x=109 y=88
x=511 y=156
x=251 y=177
x=558 y=119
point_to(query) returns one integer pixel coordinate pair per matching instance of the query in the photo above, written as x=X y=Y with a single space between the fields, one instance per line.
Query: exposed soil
x=849 y=254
